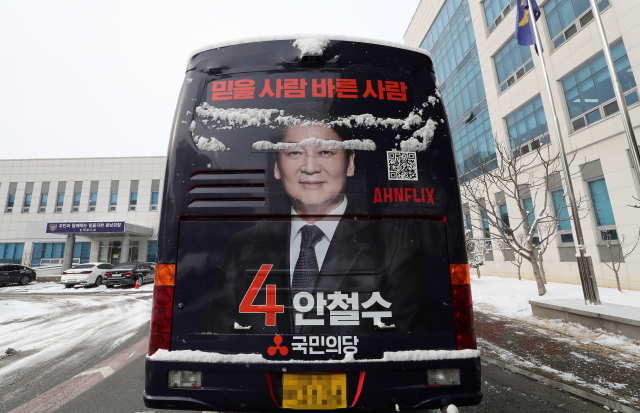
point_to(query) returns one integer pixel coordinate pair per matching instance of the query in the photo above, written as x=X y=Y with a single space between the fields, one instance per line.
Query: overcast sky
x=71 y=83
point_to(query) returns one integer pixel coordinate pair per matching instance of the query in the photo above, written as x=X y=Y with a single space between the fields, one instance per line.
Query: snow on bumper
x=391 y=356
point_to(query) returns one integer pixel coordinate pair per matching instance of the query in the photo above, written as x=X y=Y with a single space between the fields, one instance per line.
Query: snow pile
x=237 y=117
x=338 y=37
x=209 y=144
x=413 y=355
x=311 y=45
x=354 y=144
x=426 y=133
x=272 y=118
x=510 y=297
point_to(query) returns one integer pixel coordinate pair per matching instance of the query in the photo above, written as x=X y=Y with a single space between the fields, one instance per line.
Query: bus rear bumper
x=370 y=386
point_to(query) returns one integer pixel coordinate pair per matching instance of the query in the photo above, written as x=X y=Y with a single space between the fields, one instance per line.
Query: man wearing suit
x=323 y=250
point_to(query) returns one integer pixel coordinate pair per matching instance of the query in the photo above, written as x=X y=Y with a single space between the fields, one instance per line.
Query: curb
x=562 y=386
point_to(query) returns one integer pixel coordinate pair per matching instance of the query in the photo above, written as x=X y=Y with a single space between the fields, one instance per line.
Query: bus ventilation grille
x=227 y=188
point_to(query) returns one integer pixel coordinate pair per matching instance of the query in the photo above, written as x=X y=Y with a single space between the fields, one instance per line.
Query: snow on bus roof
x=309 y=43
x=197 y=356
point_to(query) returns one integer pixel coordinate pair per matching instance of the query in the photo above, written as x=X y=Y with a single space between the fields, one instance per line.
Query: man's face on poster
x=314 y=177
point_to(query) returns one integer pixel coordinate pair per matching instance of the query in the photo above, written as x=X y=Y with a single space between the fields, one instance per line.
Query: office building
x=492 y=87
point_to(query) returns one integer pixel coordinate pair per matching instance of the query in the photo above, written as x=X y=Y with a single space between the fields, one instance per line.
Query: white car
x=89 y=274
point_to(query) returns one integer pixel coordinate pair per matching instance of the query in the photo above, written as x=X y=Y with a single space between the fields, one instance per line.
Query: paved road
x=94 y=377
x=122 y=390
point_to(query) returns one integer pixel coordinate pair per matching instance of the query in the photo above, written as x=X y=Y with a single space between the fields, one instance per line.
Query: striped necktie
x=306 y=270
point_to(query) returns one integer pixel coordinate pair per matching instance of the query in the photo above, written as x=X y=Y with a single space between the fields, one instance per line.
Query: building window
x=81 y=252
x=154 y=201
x=59 y=202
x=76 y=202
x=527 y=127
x=152 y=248
x=113 y=201
x=133 y=200
x=603 y=211
x=11 y=253
x=50 y=253
x=589 y=91
x=467 y=218
x=43 y=202
x=512 y=62
x=10 y=201
x=562 y=214
x=566 y=17
x=28 y=190
x=504 y=216
x=93 y=200
x=27 y=203
x=496 y=11
x=527 y=204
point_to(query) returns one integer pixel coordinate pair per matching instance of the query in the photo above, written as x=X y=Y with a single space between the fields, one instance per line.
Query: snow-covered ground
x=57 y=288
x=49 y=325
x=509 y=297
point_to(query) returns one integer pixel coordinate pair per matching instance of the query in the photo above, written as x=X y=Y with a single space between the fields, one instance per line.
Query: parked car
x=89 y=274
x=16 y=274
x=128 y=273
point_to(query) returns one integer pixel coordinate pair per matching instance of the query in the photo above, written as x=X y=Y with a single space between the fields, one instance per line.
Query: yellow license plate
x=314 y=391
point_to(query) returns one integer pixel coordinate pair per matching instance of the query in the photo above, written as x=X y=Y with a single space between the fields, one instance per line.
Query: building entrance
x=111 y=251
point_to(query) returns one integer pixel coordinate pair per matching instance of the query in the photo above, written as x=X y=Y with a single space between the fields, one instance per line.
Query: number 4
x=270 y=308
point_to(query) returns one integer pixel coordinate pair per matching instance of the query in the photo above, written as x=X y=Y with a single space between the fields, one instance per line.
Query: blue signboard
x=66 y=227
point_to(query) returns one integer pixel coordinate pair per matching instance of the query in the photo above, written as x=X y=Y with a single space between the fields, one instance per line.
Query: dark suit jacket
x=363 y=257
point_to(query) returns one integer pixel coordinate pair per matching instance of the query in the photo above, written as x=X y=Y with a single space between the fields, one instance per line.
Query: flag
x=524 y=30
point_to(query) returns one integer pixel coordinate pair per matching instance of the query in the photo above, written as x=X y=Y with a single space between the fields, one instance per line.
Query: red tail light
x=462 y=307
x=86 y=272
x=128 y=273
x=162 y=313
x=64 y=273
x=106 y=274
x=463 y=318
x=161 y=320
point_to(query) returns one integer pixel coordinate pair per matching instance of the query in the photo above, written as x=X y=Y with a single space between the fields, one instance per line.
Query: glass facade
x=11 y=200
x=527 y=204
x=152 y=249
x=47 y=253
x=571 y=15
x=452 y=44
x=512 y=62
x=11 y=253
x=589 y=90
x=601 y=202
x=527 y=123
x=560 y=206
x=82 y=251
x=562 y=213
x=467 y=218
x=496 y=11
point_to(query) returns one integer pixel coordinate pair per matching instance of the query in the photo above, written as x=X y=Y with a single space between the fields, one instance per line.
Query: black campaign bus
x=311 y=246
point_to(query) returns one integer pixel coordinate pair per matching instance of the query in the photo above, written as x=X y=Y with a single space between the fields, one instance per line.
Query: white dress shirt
x=328 y=226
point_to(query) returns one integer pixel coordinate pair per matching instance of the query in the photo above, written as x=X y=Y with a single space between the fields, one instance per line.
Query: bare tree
x=519 y=178
x=476 y=251
x=616 y=252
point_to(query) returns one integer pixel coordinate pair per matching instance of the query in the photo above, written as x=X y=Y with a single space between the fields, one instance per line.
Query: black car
x=128 y=273
x=16 y=274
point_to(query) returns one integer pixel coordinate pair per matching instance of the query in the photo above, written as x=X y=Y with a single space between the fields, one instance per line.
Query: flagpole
x=622 y=104
x=589 y=285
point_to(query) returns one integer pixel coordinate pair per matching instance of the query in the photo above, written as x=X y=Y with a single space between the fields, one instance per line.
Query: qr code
x=402 y=166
